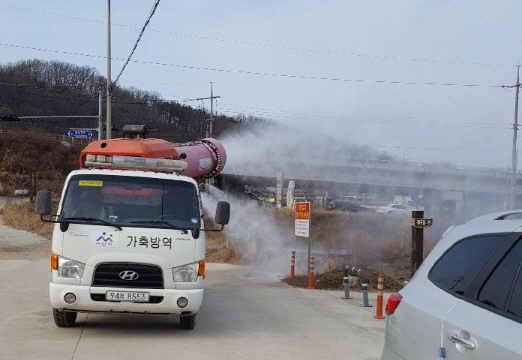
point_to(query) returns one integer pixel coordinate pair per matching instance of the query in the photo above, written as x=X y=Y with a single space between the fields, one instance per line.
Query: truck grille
x=108 y=275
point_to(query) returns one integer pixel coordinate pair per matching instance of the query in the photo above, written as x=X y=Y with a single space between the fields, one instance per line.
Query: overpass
x=434 y=186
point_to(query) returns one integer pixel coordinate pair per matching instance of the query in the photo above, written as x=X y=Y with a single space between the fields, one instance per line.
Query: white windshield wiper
x=159 y=222
x=91 y=219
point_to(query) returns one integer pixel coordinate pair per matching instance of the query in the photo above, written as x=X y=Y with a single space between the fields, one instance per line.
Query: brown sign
x=421 y=223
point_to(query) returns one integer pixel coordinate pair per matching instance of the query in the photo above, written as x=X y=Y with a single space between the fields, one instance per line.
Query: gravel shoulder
x=19 y=244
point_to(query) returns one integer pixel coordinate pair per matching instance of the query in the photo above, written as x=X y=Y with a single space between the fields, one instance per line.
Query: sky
x=391 y=74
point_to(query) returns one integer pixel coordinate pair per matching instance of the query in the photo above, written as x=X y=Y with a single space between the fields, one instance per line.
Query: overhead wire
x=421 y=126
x=259 y=73
x=268 y=45
x=151 y=14
x=48 y=96
x=230 y=109
x=412 y=120
x=387 y=148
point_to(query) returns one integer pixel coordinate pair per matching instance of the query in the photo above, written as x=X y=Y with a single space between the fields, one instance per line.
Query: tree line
x=36 y=87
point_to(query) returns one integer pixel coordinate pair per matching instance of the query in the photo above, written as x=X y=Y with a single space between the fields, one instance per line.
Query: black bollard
x=364 y=285
x=346 y=282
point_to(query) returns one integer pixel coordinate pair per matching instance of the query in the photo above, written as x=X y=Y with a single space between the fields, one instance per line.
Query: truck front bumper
x=163 y=301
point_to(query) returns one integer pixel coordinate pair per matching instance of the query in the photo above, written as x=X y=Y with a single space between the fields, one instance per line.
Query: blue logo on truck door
x=105 y=240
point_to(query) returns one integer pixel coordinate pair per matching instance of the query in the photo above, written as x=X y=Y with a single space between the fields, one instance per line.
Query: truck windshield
x=132 y=201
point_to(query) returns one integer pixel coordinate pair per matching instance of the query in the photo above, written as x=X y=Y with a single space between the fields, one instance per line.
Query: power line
x=154 y=7
x=230 y=109
x=47 y=96
x=269 y=45
x=420 y=126
x=69 y=98
x=259 y=73
x=344 y=118
x=437 y=149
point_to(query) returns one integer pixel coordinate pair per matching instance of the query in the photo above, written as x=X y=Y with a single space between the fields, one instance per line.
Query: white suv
x=465 y=301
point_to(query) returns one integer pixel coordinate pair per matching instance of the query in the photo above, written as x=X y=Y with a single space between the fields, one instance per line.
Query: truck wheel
x=187 y=322
x=64 y=318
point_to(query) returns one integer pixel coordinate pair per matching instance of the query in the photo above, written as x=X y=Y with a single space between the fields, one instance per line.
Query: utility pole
x=514 y=153
x=211 y=121
x=100 y=120
x=109 y=81
x=209 y=128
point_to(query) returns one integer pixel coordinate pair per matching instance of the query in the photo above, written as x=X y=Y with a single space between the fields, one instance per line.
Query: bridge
x=437 y=187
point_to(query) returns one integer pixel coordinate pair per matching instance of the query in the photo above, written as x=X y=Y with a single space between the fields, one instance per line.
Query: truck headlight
x=185 y=273
x=71 y=269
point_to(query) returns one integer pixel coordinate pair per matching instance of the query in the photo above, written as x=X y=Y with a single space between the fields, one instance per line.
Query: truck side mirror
x=222 y=213
x=43 y=202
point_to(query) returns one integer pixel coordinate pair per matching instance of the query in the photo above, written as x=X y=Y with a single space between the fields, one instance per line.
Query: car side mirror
x=222 y=213
x=43 y=202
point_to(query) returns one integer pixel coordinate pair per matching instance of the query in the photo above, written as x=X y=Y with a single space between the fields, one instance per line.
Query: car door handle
x=457 y=338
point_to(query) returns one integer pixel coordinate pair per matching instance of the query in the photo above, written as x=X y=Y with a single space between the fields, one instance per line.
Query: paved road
x=4 y=200
x=243 y=317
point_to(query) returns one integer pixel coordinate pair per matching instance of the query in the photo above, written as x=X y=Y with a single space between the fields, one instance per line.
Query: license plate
x=135 y=296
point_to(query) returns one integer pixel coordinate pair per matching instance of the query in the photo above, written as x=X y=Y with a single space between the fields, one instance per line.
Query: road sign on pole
x=302 y=226
x=302 y=219
x=418 y=224
x=82 y=134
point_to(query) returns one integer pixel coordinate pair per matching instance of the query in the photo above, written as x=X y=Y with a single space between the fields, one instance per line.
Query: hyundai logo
x=129 y=275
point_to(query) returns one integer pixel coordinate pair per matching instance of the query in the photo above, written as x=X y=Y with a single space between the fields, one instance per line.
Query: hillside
x=35 y=87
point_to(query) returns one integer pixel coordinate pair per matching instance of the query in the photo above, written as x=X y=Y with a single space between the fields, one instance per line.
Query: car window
x=129 y=201
x=515 y=305
x=458 y=267
x=497 y=288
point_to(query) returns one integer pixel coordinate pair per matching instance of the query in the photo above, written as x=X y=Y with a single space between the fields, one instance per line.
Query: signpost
x=302 y=219
x=302 y=225
x=418 y=224
x=81 y=134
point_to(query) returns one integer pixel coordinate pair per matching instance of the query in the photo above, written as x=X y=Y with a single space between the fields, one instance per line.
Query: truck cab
x=128 y=238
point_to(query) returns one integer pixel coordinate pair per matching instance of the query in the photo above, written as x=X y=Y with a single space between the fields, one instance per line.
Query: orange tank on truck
x=204 y=158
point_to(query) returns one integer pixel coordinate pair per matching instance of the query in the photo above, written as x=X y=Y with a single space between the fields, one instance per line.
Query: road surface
x=243 y=317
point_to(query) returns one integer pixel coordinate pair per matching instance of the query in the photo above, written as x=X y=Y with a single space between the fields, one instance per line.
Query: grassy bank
x=22 y=216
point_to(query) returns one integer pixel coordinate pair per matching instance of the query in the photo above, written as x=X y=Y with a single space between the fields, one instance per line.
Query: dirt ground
x=333 y=280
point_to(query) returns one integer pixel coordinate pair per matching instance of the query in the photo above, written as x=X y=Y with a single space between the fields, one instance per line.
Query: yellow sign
x=302 y=211
x=93 y=183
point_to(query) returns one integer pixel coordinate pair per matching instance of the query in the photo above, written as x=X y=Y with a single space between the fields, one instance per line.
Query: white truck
x=128 y=234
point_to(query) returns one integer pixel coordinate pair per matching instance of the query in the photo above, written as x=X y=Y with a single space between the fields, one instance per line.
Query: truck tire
x=187 y=322
x=63 y=318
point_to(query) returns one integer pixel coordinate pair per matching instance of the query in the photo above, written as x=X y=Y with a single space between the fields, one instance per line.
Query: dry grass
x=378 y=242
x=24 y=152
x=218 y=247
x=21 y=216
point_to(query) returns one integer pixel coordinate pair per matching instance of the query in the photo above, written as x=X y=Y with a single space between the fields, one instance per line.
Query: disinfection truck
x=128 y=234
